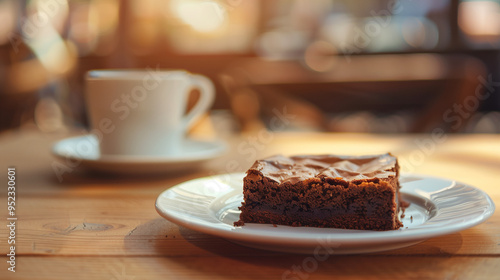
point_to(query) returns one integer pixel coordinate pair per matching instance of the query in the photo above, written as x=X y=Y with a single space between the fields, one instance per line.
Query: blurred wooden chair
x=427 y=84
x=16 y=105
x=26 y=80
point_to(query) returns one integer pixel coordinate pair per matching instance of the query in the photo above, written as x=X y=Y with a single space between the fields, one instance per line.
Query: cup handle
x=207 y=96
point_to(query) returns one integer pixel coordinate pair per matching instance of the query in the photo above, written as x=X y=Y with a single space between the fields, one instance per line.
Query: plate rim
x=360 y=238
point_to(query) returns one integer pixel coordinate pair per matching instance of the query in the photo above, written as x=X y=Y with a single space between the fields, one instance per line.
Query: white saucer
x=438 y=207
x=83 y=151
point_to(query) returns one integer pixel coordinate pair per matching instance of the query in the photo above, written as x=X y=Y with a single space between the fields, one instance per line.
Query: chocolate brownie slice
x=349 y=192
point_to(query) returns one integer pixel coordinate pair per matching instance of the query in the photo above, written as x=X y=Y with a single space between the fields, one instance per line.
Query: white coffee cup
x=143 y=112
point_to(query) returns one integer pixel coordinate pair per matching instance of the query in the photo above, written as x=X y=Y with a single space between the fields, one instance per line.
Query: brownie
x=348 y=192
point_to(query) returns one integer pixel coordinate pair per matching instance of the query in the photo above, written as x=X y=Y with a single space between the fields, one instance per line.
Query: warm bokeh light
x=48 y=115
x=209 y=27
x=54 y=56
x=104 y=15
x=83 y=31
x=203 y=16
x=281 y=43
x=420 y=32
x=320 y=56
x=45 y=43
x=8 y=21
x=145 y=31
x=56 y=12
x=52 y=51
x=479 y=18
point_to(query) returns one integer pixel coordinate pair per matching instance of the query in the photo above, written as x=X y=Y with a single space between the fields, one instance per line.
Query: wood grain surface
x=97 y=226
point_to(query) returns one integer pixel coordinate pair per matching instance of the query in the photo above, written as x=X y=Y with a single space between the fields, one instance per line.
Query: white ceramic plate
x=83 y=152
x=438 y=207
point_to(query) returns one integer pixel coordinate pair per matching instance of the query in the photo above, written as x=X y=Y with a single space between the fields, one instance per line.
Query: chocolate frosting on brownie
x=349 y=168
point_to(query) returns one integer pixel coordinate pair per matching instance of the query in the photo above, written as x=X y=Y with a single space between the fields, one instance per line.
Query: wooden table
x=103 y=227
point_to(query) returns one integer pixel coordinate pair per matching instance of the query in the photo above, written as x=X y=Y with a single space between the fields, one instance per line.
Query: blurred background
x=382 y=66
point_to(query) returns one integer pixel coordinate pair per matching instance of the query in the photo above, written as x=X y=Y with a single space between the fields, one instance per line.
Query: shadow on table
x=165 y=238
x=103 y=180
x=176 y=243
